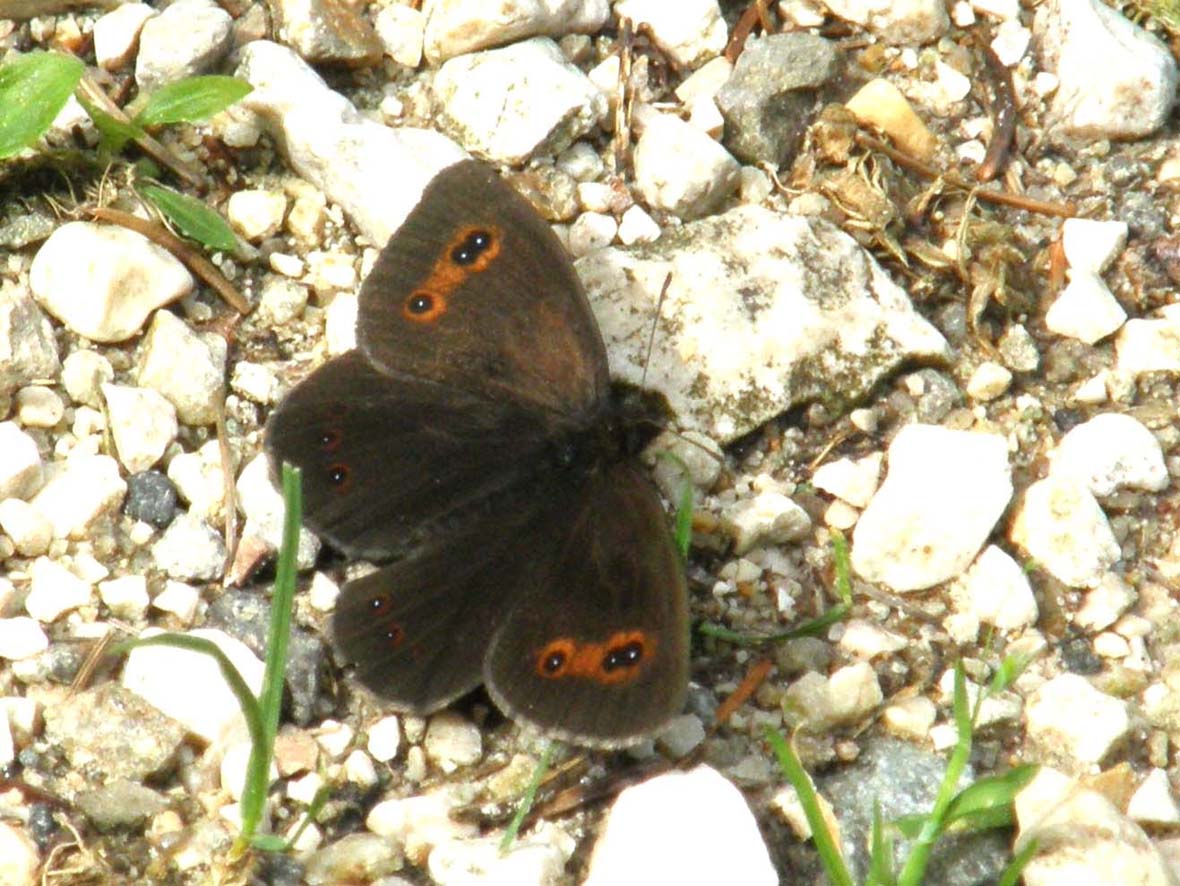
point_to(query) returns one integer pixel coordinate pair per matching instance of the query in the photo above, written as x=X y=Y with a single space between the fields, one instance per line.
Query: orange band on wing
x=470 y=251
x=619 y=659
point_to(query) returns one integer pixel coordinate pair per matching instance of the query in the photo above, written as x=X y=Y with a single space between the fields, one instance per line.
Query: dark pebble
x=151 y=497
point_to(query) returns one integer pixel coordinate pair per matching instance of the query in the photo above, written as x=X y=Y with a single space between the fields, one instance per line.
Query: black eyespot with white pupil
x=553 y=662
x=420 y=303
x=473 y=245
x=626 y=656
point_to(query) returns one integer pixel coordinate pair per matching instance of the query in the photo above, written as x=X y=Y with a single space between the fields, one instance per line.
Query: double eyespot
x=469 y=252
x=380 y=606
x=619 y=659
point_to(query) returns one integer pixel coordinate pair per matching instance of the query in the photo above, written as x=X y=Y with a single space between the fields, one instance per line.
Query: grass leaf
x=829 y=853
x=191 y=100
x=192 y=217
x=114 y=134
x=270 y=704
x=529 y=797
x=33 y=90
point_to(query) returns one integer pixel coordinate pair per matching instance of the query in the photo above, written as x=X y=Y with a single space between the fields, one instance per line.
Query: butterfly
x=474 y=446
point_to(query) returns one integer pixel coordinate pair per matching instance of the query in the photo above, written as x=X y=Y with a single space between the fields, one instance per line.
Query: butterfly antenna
x=651 y=338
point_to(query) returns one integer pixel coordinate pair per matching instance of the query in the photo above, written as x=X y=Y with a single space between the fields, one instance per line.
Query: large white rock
x=1061 y=526
x=1109 y=452
x=143 y=424
x=681 y=827
x=942 y=496
x=454 y=27
x=1116 y=80
x=185 y=367
x=680 y=169
x=79 y=492
x=102 y=281
x=374 y=173
x=189 y=687
x=508 y=104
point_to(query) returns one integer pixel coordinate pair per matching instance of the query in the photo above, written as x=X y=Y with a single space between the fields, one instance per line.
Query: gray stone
x=120 y=804
x=768 y=101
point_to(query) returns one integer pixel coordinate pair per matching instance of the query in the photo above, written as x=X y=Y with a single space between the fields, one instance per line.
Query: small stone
x=942 y=497
x=102 y=281
x=988 y=381
x=767 y=517
x=538 y=858
x=189 y=37
x=282 y=301
x=256 y=214
x=401 y=30
x=850 y=481
x=19 y=858
x=910 y=718
x=881 y=104
x=109 y=732
x=180 y=599
x=384 y=739
x=186 y=368
x=255 y=382
x=295 y=752
x=126 y=596
x=116 y=34
x=1067 y=715
x=28 y=349
x=189 y=549
x=1109 y=452
x=452 y=742
x=30 y=530
x=863 y=639
x=854 y=692
x=189 y=687
x=909 y=22
x=151 y=497
x=359 y=769
x=680 y=169
x=681 y=736
x=328 y=32
x=691 y=31
x=681 y=827
x=323 y=593
x=1150 y=345
x=1154 y=802
x=1062 y=527
x=334 y=737
x=636 y=226
x=84 y=489
x=1086 y=309
x=262 y=504
x=420 y=823
x=84 y=372
x=1000 y=592
x=21 y=472
x=199 y=479
x=356 y=858
x=591 y=231
x=705 y=81
x=1104 y=604
x=143 y=424
x=1018 y=349
x=1090 y=244
x=39 y=407
x=54 y=590
x=120 y=805
x=21 y=637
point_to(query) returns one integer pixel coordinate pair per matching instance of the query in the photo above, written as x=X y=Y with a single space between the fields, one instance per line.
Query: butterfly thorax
x=629 y=419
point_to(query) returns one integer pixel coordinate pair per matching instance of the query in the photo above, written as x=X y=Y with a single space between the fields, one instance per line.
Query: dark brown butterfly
x=474 y=445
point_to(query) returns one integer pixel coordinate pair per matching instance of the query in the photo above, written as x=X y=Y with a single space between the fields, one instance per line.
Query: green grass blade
x=191 y=100
x=988 y=802
x=1016 y=867
x=191 y=217
x=529 y=797
x=829 y=853
x=33 y=90
x=880 y=852
x=279 y=636
x=812 y=628
x=114 y=134
x=843 y=567
x=1009 y=671
x=915 y=865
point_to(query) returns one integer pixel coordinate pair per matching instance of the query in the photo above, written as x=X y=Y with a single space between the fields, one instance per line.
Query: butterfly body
x=473 y=445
